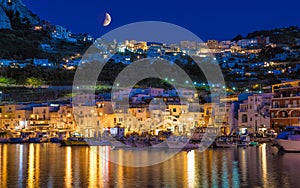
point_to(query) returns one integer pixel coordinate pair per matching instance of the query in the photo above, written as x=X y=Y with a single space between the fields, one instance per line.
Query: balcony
x=285 y=95
x=286 y=106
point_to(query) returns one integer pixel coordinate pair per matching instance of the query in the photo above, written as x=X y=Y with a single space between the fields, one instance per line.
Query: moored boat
x=182 y=145
x=253 y=143
x=4 y=140
x=158 y=144
x=130 y=143
x=243 y=144
x=55 y=140
x=289 y=139
x=16 y=140
x=224 y=144
x=97 y=142
x=118 y=144
x=34 y=140
x=74 y=142
x=141 y=143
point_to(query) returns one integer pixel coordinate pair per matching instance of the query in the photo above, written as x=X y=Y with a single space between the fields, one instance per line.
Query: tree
x=34 y=82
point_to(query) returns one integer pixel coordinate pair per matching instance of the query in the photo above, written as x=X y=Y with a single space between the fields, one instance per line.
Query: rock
x=4 y=20
x=18 y=6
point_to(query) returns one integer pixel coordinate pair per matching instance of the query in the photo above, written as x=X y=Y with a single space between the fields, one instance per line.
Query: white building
x=254 y=113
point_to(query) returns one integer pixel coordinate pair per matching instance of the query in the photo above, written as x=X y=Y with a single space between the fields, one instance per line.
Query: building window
x=272 y=115
x=174 y=109
x=284 y=114
x=244 y=118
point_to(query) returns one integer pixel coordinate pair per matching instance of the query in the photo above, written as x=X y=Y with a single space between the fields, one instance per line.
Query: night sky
x=209 y=19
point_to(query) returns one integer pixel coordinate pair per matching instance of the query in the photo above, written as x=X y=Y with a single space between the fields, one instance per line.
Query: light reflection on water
x=48 y=165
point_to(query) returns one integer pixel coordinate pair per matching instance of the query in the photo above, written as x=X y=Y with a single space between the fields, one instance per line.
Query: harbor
x=49 y=165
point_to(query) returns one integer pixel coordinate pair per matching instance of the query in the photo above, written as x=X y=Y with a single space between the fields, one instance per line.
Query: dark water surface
x=49 y=165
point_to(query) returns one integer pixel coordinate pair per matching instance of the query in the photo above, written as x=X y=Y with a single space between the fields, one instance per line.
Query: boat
x=97 y=142
x=289 y=139
x=253 y=143
x=74 y=142
x=158 y=144
x=181 y=142
x=141 y=143
x=34 y=140
x=130 y=143
x=244 y=141
x=182 y=145
x=224 y=142
x=118 y=144
x=55 y=140
x=16 y=140
x=243 y=144
x=4 y=140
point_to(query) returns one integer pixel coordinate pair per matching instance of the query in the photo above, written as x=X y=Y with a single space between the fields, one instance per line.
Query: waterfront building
x=285 y=104
x=63 y=118
x=254 y=113
x=40 y=118
x=9 y=119
x=88 y=123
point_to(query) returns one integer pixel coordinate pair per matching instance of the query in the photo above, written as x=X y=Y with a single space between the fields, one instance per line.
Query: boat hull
x=141 y=143
x=182 y=145
x=74 y=143
x=55 y=140
x=34 y=140
x=4 y=140
x=16 y=140
x=225 y=145
x=118 y=144
x=130 y=143
x=159 y=144
x=288 y=145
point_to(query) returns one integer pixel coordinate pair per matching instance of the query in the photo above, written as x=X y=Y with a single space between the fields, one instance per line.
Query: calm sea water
x=49 y=165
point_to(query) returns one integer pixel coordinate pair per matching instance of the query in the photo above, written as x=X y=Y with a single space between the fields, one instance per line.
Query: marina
x=49 y=165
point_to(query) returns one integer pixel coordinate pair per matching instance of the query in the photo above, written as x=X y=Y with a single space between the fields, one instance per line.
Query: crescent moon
x=107 y=19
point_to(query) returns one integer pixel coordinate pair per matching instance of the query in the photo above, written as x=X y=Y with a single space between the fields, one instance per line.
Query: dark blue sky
x=209 y=19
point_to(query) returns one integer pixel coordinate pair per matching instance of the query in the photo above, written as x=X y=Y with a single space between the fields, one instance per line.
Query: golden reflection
x=92 y=168
x=37 y=164
x=68 y=167
x=191 y=168
x=4 y=166
x=121 y=170
x=21 y=164
x=244 y=165
x=264 y=165
x=204 y=170
x=103 y=165
x=30 y=179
